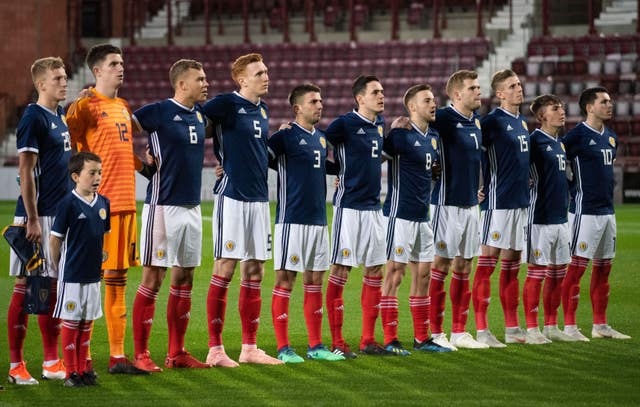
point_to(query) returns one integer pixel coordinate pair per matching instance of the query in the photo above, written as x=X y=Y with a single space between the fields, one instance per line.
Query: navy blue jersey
x=82 y=226
x=411 y=154
x=591 y=154
x=505 y=139
x=550 y=191
x=358 y=152
x=302 y=188
x=176 y=141
x=45 y=133
x=460 y=145
x=240 y=145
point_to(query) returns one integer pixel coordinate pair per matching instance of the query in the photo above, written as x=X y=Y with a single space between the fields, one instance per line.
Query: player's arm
x=148 y=167
x=78 y=122
x=55 y=244
x=27 y=163
x=275 y=148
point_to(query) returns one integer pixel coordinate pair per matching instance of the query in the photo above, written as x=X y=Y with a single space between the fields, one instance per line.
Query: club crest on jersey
x=399 y=251
x=583 y=246
x=199 y=116
x=64 y=119
x=160 y=254
x=346 y=253
x=524 y=124
x=102 y=213
x=294 y=259
x=441 y=245
x=380 y=131
x=434 y=144
x=537 y=253
x=70 y=306
x=230 y=245
x=263 y=113
x=125 y=113
x=495 y=235
x=105 y=255
x=612 y=141
x=477 y=123
x=323 y=142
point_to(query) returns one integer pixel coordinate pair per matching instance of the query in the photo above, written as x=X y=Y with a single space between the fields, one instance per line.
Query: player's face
x=255 y=79
x=111 y=71
x=602 y=107
x=309 y=109
x=425 y=105
x=88 y=181
x=554 y=116
x=510 y=92
x=373 y=98
x=54 y=84
x=470 y=94
x=195 y=83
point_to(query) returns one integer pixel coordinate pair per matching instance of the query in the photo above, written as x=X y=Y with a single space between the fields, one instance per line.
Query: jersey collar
x=365 y=119
x=594 y=130
x=48 y=110
x=460 y=114
x=515 y=116
x=235 y=92
x=547 y=134
x=182 y=106
x=93 y=201
x=305 y=130
x=417 y=129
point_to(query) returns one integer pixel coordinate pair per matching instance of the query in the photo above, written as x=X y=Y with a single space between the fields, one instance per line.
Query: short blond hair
x=181 y=66
x=456 y=80
x=42 y=65
x=240 y=64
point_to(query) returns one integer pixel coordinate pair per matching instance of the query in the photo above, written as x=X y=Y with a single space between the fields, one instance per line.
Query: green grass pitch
x=599 y=373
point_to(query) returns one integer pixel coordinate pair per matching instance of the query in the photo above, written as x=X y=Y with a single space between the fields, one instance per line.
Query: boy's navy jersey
x=411 y=154
x=550 y=191
x=82 y=225
x=176 y=141
x=591 y=153
x=45 y=133
x=505 y=139
x=240 y=144
x=357 y=143
x=459 y=146
x=302 y=188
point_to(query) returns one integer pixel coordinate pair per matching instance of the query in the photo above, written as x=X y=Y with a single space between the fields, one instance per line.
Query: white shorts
x=409 y=241
x=171 y=236
x=593 y=236
x=301 y=247
x=358 y=237
x=15 y=266
x=549 y=244
x=455 y=231
x=241 y=230
x=78 y=301
x=504 y=228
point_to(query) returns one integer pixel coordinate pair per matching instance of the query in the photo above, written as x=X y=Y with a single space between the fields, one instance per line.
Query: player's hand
x=401 y=122
x=530 y=182
x=85 y=93
x=219 y=171
x=148 y=156
x=336 y=183
x=34 y=231
x=284 y=126
x=436 y=170
x=480 y=195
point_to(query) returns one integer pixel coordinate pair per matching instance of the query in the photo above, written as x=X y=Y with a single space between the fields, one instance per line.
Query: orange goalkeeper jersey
x=102 y=125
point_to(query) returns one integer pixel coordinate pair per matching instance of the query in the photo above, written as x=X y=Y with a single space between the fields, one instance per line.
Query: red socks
x=600 y=289
x=76 y=338
x=335 y=309
x=481 y=293
x=216 y=308
x=144 y=308
x=84 y=341
x=313 y=313
x=370 y=301
x=389 y=314
x=420 y=313
x=510 y=292
x=571 y=288
x=438 y=297
x=249 y=305
x=280 y=315
x=460 y=297
x=50 y=327
x=17 y=322
x=178 y=315
x=551 y=293
x=531 y=293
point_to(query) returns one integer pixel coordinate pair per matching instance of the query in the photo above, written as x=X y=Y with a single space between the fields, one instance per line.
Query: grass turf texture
x=599 y=373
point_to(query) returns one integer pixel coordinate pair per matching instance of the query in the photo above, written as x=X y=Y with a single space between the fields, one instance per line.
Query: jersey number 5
x=257 y=128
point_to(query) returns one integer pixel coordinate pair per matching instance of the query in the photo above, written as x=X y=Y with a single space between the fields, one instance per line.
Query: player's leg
x=510 y=295
x=419 y=304
x=17 y=321
x=144 y=307
x=312 y=281
x=389 y=306
x=284 y=283
x=460 y=295
x=70 y=334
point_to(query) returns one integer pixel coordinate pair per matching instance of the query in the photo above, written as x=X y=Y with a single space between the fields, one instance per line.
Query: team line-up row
x=550 y=197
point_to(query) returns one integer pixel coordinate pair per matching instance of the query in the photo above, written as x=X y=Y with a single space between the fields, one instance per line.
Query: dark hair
x=76 y=162
x=99 y=52
x=181 y=66
x=542 y=101
x=500 y=77
x=301 y=90
x=360 y=84
x=412 y=92
x=589 y=96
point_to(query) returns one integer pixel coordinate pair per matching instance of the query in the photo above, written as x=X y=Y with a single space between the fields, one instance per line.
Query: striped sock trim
x=537 y=272
x=372 y=281
x=220 y=282
x=147 y=292
x=337 y=280
x=438 y=275
x=182 y=291
x=312 y=288
x=281 y=292
x=487 y=261
x=252 y=284
x=419 y=301
x=460 y=276
x=579 y=262
x=20 y=288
